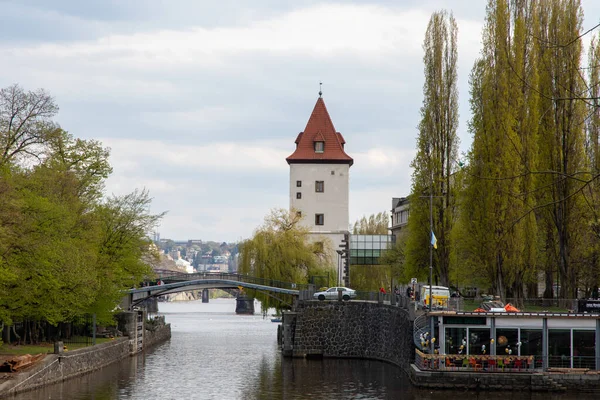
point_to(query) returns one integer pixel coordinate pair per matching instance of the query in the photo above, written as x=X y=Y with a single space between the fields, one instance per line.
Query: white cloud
x=203 y=116
x=388 y=159
x=130 y=155
x=325 y=30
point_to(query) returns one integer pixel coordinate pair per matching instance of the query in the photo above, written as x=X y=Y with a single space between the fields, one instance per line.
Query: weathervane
x=320 y=91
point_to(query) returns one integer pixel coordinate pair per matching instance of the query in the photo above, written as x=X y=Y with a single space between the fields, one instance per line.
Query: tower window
x=298 y=183
x=319 y=186
x=319 y=147
x=298 y=195
x=319 y=219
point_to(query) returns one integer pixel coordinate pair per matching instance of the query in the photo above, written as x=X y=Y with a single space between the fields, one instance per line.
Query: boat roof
x=520 y=314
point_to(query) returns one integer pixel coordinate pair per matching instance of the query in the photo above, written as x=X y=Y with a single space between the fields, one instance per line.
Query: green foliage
x=376 y=224
x=433 y=199
x=26 y=125
x=281 y=250
x=369 y=278
x=64 y=250
x=396 y=260
x=522 y=203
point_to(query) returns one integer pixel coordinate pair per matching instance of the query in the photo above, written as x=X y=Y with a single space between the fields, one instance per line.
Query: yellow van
x=441 y=296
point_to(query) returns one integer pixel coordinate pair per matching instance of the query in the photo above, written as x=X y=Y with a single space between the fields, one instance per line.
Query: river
x=216 y=354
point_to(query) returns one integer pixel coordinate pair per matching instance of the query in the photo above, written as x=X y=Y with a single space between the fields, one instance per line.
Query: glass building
x=366 y=249
x=551 y=340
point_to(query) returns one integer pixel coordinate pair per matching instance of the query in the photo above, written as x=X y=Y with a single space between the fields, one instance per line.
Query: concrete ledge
x=55 y=368
x=537 y=382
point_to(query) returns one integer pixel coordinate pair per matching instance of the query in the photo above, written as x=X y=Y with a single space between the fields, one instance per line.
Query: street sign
x=413 y=280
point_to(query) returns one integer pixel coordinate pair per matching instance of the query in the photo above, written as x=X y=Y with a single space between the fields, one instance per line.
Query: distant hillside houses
x=220 y=259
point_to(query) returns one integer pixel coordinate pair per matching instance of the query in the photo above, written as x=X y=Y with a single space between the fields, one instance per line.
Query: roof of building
x=320 y=129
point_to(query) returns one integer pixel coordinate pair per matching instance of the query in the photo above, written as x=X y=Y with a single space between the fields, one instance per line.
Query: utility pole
x=431 y=323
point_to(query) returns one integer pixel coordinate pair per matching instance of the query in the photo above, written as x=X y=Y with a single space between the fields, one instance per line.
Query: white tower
x=319 y=178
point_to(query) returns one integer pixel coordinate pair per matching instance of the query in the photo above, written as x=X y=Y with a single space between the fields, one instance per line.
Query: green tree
x=499 y=243
x=26 y=123
x=376 y=224
x=371 y=277
x=437 y=151
x=591 y=279
x=561 y=141
x=281 y=250
x=64 y=250
x=124 y=223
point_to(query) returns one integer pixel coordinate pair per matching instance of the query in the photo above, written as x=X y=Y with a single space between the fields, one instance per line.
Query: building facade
x=399 y=217
x=320 y=178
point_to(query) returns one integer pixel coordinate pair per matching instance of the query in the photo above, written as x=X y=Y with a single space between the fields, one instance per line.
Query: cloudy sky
x=201 y=101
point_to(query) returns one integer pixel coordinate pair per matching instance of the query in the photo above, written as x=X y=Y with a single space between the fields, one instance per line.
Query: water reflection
x=215 y=354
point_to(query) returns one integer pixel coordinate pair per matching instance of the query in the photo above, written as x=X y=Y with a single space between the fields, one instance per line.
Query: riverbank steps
x=372 y=330
x=59 y=367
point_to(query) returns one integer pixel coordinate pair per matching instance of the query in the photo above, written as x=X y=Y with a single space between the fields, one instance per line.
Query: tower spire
x=320 y=91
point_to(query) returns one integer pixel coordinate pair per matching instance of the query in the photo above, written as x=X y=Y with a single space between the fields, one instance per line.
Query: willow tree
x=437 y=152
x=282 y=249
x=499 y=231
x=561 y=141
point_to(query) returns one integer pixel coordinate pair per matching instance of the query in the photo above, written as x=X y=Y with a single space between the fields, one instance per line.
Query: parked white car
x=332 y=293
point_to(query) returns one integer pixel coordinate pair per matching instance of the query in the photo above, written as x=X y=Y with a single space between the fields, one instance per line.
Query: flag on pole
x=433 y=240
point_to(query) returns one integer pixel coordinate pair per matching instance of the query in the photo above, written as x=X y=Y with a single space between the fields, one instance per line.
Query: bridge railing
x=234 y=277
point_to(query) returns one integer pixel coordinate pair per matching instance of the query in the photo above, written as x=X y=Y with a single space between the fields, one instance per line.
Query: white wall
x=333 y=202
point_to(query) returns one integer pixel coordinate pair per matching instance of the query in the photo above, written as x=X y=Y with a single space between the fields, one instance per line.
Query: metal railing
x=502 y=363
x=233 y=277
x=523 y=305
x=575 y=362
x=79 y=332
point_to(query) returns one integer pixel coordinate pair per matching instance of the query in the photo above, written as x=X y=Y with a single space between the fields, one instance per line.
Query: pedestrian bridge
x=209 y=280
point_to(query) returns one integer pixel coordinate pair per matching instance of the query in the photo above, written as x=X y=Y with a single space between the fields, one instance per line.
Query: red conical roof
x=320 y=129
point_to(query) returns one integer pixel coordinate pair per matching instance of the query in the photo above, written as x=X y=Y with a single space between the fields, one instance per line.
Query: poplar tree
x=498 y=232
x=437 y=152
x=561 y=142
x=376 y=224
x=592 y=278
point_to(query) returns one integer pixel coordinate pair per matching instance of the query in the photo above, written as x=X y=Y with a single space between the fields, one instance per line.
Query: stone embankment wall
x=158 y=335
x=538 y=382
x=578 y=381
x=349 y=329
x=59 y=367
x=481 y=381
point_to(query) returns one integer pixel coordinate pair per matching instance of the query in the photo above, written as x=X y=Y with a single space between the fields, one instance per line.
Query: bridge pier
x=150 y=305
x=244 y=305
x=205 y=295
x=286 y=343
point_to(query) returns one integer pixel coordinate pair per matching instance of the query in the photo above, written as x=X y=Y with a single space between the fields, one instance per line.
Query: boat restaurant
x=508 y=341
